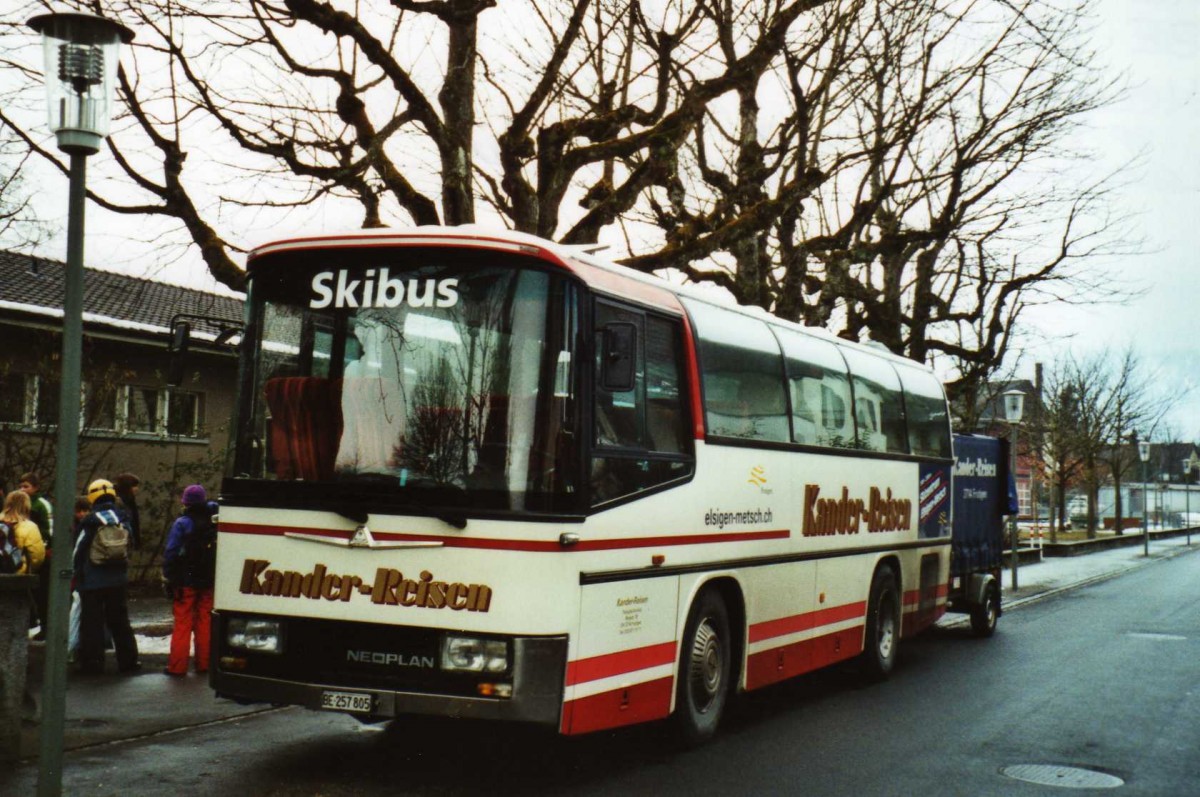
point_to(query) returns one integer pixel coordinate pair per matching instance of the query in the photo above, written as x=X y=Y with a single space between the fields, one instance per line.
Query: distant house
x=130 y=421
x=1168 y=494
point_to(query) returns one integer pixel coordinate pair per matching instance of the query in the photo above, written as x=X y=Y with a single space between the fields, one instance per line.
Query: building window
x=12 y=398
x=46 y=401
x=32 y=401
x=150 y=410
x=99 y=406
x=142 y=409
x=184 y=414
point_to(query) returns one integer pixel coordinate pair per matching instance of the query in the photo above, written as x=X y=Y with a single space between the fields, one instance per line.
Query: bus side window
x=820 y=391
x=741 y=368
x=835 y=399
x=878 y=403
x=928 y=415
x=641 y=436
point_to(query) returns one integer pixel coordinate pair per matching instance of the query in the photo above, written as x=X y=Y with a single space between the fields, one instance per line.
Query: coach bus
x=483 y=475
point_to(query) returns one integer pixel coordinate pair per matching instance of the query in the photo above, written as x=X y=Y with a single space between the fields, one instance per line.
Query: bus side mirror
x=618 y=361
x=181 y=336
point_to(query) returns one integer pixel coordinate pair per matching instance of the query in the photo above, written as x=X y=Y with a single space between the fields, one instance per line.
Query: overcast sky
x=1154 y=44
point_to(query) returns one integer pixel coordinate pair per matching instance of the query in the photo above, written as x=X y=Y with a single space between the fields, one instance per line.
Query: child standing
x=189 y=565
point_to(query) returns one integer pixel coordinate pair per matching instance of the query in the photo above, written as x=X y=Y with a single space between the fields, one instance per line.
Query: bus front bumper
x=537 y=677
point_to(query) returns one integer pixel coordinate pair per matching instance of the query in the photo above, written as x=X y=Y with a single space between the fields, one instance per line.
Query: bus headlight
x=471 y=654
x=254 y=635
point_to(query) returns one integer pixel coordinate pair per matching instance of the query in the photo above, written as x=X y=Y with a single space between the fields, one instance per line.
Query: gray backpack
x=110 y=546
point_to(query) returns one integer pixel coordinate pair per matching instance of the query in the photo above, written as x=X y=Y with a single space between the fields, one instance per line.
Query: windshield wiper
x=456 y=519
x=422 y=483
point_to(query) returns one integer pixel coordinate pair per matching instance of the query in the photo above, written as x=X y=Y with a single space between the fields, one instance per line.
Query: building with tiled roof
x=130 y=420
x=34 y=286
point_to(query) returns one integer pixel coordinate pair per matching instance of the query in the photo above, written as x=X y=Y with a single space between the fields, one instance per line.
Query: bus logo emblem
x=361 y=538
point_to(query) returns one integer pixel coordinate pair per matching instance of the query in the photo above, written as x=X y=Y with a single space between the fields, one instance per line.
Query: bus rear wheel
x=883 y=625
x=984 y=616
x=705 y=670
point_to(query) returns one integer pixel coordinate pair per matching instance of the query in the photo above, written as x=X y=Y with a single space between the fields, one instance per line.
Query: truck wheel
x=985 y=615
x=705 y=671
x=883 y=626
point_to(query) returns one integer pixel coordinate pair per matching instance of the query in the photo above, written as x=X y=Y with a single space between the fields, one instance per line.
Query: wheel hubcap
x=704 y=672
x=887 y=629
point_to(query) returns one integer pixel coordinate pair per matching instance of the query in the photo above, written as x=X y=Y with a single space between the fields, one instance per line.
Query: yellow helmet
x=98 y=488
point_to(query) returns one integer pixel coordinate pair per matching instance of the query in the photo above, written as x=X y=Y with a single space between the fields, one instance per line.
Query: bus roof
x=598 y=273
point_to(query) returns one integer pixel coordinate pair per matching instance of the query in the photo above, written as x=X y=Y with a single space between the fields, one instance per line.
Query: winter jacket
x=42 y=514
x=87 y=575
x=175 y=572
x=27 y=537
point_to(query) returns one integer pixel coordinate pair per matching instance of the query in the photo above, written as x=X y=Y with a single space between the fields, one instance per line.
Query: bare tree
x=20 y=228
x=1140 y=407
x=904 y=195
x=880 y=167
x=1095 y=409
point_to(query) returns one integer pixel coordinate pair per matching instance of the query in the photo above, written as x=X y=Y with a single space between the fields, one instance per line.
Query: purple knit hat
x=194 y=495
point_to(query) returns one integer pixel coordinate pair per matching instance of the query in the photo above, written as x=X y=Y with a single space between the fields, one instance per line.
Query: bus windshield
x=435 y=379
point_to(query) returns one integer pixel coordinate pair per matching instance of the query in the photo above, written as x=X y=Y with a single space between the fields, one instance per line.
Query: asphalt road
x=1100 y=681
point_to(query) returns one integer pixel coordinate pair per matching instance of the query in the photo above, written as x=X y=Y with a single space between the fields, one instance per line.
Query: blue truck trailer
x=980 y=500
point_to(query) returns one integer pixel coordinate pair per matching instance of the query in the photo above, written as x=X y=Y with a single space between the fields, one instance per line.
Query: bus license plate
x=346 y=701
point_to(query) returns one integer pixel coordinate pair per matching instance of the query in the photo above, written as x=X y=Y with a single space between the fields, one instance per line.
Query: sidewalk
x=111 y=707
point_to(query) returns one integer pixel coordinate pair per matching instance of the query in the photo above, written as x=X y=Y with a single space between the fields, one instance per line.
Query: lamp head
x=81 y=64
x=1014 y=405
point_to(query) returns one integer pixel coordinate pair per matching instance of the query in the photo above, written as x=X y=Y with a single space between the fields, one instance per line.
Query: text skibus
x=483 y=475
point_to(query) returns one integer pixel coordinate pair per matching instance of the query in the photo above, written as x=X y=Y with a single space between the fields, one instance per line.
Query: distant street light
x=1014 y=408
x=1144 y=455
x=81 y=65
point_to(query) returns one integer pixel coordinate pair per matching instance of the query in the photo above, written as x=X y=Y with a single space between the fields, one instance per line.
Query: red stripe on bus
x=914 y=595
x=441 y=240
x=621 y=286
x=693 y=378
x=807 y=621
x=787 y=661
x=623 y=661
x=543 y=546
x=626 y=706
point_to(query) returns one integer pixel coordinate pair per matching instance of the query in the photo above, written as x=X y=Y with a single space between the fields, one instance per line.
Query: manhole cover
x=1065 y=777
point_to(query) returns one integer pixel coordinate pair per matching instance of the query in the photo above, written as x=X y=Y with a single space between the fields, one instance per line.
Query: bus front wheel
x=705 y=670
x=883 y=625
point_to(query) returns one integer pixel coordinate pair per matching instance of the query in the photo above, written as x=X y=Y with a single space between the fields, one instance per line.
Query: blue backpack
x=11 y=557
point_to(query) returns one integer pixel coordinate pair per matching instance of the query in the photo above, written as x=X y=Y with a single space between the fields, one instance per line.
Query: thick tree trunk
x=457 y=99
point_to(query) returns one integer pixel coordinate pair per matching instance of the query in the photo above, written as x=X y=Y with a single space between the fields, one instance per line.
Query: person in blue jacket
x=101 y=589
x=189 y=563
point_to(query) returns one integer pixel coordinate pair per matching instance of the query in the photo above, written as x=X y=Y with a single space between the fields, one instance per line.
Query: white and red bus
x=484 y=475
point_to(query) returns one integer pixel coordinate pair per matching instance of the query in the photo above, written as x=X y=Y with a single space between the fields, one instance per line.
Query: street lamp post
x=1144 y=456
x=1014 y=406
x=1187 y=498
x=81 y=63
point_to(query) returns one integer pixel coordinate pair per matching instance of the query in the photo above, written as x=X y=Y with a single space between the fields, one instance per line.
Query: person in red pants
x=189 y=564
